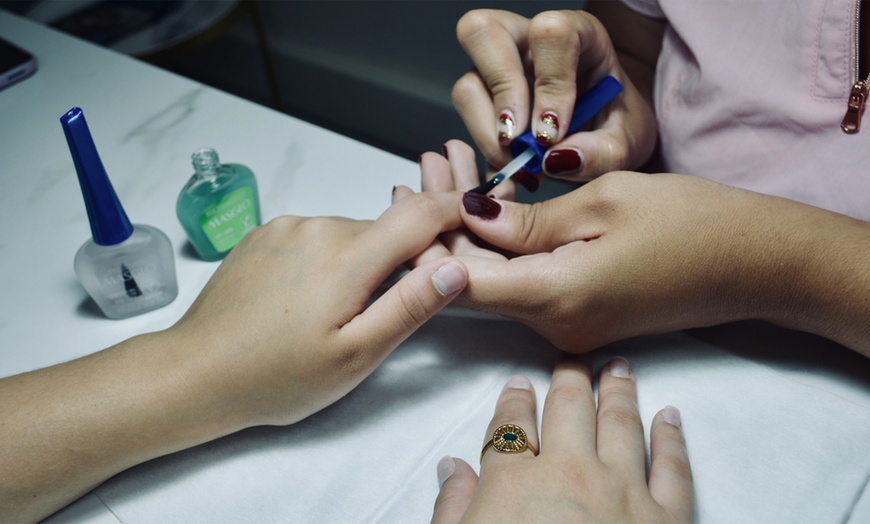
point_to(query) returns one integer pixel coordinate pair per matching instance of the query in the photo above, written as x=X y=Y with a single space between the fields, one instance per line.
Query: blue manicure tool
x=528 y=154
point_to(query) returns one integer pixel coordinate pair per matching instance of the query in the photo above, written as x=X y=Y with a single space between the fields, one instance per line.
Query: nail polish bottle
x=218 y=205
x=127 y=269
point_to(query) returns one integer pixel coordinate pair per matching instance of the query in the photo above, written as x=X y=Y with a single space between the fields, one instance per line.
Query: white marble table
x=775 y=432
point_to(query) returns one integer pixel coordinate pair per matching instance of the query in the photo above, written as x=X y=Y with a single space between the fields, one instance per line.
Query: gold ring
x=508 y=438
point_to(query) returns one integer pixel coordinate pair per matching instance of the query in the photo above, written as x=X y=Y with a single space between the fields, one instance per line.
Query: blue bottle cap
x=109 y=222
x=586 y=107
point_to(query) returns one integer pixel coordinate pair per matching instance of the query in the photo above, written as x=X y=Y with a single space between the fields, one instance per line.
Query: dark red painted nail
x=563 y=162
x=444 y=150
x=480 y=206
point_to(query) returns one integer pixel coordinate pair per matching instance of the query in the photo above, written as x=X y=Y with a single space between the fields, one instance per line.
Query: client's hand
x=281 y=330
x=286 y=312
x=591 y=466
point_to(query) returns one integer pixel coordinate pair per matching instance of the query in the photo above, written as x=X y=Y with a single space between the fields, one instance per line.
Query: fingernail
x=393 y=195
x=446 y=468
x=449 y=279
x=506 y=127
x=563 y=162
x=480 y=206
x=518 y=382
x=619 y=368
x=444 y=151
x=548 y=128
x=527 y=180
x=672 y=416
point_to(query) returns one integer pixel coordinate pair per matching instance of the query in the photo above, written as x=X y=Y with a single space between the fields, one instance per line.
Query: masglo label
x=227 y=221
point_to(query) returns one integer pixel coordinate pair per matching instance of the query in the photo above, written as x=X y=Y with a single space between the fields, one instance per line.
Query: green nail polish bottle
x=218 y=205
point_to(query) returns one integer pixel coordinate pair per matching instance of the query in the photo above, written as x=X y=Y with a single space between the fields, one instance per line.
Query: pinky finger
x=458 y=483
x=670 y=479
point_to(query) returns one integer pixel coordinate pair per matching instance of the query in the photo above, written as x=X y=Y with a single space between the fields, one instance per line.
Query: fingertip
x=670 y=480
x=400 y=192
x=672 y=416
x=450 y=278
x=481 y=206
x=445 y=469
x=564 y=163
x=519 y=382
x=457 y=482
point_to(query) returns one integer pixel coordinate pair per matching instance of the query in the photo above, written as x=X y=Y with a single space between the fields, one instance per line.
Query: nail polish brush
x=528 y=153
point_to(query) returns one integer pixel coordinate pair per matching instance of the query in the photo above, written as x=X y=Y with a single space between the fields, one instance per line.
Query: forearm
x=831 y=297
x=66 y=429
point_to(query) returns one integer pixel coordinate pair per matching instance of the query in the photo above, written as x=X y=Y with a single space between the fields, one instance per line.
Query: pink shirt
x=751 y=93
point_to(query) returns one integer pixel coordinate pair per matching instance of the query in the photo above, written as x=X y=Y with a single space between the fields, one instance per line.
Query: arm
x=279 y=332
x=634 y=254
x=631 y=254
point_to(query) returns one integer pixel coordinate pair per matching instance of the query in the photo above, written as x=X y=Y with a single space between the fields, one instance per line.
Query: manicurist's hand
x=560 y=54
x=592 y=463
x=632 y=254
x=280 y=331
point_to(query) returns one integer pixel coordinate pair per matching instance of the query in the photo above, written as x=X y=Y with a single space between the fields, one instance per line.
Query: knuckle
x=349 y=360
x=412 y=309
x=464 y=90
x=568 y=395
x=510 y=415
x=473 y=23
x=513 y=405
x=550 y=25
x=278 y=225
x=316 y=227
x=676 y=466
x=608 y=191
x=428 y=206
x=529 y=223
x=621 y=416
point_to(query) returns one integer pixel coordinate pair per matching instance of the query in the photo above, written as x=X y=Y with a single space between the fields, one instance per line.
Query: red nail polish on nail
x=444 y=150
x=548 y=128
x=563 y=162
x=527 y=180
x=506 y=127
x=480 y=206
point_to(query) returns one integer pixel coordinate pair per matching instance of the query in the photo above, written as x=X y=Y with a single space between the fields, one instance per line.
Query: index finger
x=406 y=229
x=564 y=45
x=496 y=41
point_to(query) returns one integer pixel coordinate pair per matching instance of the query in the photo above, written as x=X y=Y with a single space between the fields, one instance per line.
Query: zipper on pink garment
x=858 y=97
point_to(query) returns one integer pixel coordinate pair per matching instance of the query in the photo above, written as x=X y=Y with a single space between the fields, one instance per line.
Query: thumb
x=458 y=482
x=409 y=303
x=625 y=140
x=522 y=228
x=585 y=156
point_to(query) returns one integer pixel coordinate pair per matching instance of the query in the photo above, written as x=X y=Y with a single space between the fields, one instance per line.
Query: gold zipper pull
x=852 y=120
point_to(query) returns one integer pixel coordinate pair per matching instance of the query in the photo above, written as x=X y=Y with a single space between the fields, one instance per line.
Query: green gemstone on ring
x=510 y=436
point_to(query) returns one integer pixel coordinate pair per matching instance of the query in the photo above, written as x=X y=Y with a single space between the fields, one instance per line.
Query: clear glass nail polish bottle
x=127 y=269
x=218 y=205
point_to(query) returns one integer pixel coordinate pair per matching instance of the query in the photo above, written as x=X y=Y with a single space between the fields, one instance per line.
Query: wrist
x=817 y=273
